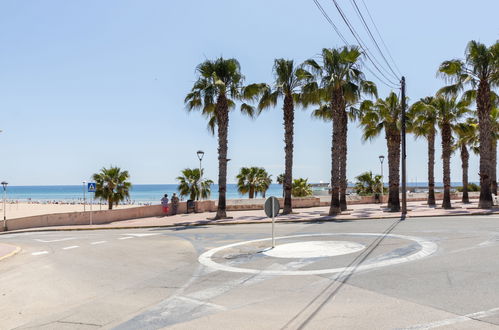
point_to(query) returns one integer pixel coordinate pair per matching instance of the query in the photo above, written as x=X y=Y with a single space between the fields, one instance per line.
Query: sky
x=88 y=84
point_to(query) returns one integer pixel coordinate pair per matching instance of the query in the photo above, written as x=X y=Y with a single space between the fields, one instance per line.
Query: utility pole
x=404 y=174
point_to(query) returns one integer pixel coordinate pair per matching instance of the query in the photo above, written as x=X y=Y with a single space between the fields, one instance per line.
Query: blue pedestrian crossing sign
x=91 y=187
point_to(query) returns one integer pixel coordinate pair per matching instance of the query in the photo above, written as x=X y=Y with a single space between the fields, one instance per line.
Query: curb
x=211 y=223
x=8 y=255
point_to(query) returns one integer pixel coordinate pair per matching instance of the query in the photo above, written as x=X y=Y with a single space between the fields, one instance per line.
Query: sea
x=140 y=193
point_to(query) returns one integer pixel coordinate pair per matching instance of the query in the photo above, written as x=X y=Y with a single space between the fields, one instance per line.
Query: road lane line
x=39 y=253
x=143 y=235
x=70 y=247
x=128 y=237
x=54 y=240
x=454 y=320
x=99 y=242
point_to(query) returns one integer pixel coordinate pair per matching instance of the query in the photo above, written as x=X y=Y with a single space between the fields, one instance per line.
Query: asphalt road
x=370 y=274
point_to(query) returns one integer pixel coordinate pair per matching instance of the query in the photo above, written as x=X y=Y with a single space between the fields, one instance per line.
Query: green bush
x=471 y=187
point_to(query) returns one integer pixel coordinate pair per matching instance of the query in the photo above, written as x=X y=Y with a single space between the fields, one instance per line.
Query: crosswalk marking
x=99 y=242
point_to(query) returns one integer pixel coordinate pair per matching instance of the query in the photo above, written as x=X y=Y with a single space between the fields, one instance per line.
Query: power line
x=379 y=34
x=361 y=43
x=330 y=21
x=359 y=13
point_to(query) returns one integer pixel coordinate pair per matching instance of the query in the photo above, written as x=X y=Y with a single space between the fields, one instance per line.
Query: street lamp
x=200 y=154
x=84 y=196
x=4 y=185
x=381 y=159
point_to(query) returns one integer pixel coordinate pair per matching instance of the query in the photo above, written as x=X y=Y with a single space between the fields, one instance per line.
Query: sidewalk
x=355 y=212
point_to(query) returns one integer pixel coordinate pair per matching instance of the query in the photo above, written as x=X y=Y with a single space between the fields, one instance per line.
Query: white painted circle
x=427 y=249
x=314 y=249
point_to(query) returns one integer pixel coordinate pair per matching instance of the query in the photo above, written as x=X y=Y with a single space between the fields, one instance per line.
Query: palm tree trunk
x=335 y=207
x=485 y=136
x=289 y=114
x=222 y=110
x=493 y=169
x=251 y=192
x=446 y=154
x=393 y=144
x=343 y=164
x=431 y=168
x=110 y=204
x=464 y=163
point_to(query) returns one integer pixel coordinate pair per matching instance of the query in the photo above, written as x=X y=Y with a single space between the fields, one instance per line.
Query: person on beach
x=164 y=203
x=174 y=204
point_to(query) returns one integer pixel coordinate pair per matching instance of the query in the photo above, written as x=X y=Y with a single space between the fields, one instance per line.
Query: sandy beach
x=19 y=210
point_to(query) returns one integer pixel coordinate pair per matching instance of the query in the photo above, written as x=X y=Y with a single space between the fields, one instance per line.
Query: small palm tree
x=111 y=185
x=449 y=111
x=280 y=178
x=192 y=184
x=480 y=69
x=422 y=123
x=252 y=180
x=301 y=188
x=367 y=184
x=265 y=182
x=339 y=82
x=218 y=87
x=379 y=116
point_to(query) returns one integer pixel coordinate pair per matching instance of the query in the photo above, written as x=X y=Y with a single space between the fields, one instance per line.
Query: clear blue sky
x=86 y=84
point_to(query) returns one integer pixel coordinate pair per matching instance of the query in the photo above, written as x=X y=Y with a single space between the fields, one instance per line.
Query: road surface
x=370 y=274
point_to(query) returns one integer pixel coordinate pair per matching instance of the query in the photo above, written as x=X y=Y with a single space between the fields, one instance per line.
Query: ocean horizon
x=140 y=193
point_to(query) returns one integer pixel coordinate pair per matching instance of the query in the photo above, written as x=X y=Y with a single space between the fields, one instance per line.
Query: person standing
x=174 y=204
x=164 y=203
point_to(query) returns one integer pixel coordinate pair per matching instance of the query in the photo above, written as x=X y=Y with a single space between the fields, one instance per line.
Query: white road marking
x=142 y=235
x=314 y=249
x=70 y=247
x=128 y=237
x=54 y=240
x=454 y=320
x=39 y=253
x=99 y=242
x=427 y=249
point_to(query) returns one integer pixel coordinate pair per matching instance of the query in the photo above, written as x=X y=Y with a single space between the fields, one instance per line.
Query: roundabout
x=315 y=250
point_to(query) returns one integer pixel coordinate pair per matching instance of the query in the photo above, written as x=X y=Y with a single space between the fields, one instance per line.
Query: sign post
x=271 y=208
x=91 y=189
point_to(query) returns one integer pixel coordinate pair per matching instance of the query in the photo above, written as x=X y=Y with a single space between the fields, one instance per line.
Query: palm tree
x=449 y=110
x=192 y=184
x=480 y=69
x=422 y=123
x=111 y=185
x=339 y=82
x=301 y=188
x=252 y=180
x=466 y=135
x=218 y=87
x=376 y=117
x=288 y=80
x=368 y=184
x=265 y=182
x=280 y=178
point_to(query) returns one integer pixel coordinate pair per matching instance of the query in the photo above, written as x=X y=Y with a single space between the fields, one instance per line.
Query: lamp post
x=381 y=159
x=4 y=185
x=84 y=196
x=200 y=154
